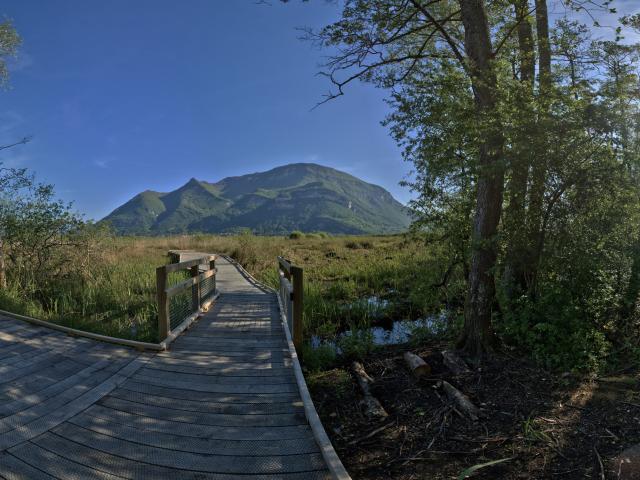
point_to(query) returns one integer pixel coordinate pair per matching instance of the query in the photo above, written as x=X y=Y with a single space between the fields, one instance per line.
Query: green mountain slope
x=301 y=196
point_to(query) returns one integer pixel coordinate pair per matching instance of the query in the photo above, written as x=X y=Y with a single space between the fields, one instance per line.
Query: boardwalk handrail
x=172 y=309
x=292 y=295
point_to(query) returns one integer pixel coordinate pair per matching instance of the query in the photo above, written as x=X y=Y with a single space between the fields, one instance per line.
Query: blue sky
x=123 y=96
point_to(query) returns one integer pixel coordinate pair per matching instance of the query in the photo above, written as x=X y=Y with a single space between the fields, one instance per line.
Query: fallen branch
x=600 y=465
x=461 y=400
x=371 y=434
x=372 y=406
x=416 y=364
x=454 y=363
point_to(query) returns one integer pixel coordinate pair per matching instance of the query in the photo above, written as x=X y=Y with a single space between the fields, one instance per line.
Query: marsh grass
x=118 y=298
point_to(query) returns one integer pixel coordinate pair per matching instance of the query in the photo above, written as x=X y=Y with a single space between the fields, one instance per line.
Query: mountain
x=300 y=196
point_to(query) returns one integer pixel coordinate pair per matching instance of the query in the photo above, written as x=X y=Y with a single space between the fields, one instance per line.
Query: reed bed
x=350 y=282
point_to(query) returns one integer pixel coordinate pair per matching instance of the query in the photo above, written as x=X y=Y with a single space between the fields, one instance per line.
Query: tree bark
x=515 y=216
x=3 y=271
x=416 y=364
x=539 y=170
x=632 y=293
x=373 y=408
x=478 y=337
x=461 y=400
x=544 y=47
x=454 y=363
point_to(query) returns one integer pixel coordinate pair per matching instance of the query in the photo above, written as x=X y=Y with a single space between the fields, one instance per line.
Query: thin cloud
x=21 y=62
x=104 y=161
x=10 y=120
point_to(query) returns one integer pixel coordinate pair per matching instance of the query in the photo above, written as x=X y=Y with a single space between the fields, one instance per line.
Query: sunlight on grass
x=341 y=273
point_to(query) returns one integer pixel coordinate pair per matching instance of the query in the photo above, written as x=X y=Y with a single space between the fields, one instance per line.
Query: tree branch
x=21 y=142
x=442 y=30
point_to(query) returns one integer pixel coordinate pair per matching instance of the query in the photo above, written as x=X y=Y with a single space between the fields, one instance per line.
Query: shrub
x=355 y=244
x=319 y=358
x=296 y=235
x=246 y=251
x=356 y=344
x=555 y=335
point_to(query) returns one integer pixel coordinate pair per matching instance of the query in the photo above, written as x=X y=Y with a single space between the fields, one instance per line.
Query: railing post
x=298 y=305
x=164 y=327
x=195 y=288
x=212 y=266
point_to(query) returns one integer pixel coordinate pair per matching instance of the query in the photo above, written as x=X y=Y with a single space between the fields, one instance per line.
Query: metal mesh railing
x=182 y=288
x=180 y=307
x=207 y=287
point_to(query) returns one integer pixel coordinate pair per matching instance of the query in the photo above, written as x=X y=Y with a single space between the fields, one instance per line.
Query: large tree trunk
x=539 y=170
x=3 y=271
x=544 y=47
x=478 y=336
x=514 y=279
x=632 y=293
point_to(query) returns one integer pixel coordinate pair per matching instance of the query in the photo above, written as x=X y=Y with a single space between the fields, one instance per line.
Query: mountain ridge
x=298 y=196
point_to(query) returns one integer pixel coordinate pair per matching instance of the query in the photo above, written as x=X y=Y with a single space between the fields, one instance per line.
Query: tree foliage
x=46 y=243
x=561 y=139
x=10 y=41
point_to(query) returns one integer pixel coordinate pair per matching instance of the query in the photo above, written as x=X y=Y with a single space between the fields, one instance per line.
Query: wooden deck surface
x=221 y=404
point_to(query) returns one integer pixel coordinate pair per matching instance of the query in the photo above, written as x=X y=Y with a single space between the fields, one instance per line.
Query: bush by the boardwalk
x=48 y=252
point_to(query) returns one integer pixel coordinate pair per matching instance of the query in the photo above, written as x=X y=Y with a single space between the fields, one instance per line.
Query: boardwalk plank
x=235 y=464
x=204 y=418
x=294 y=406
x=12 y=468
x=209 y=396
x=199 y=431
x=56 y=465
x=141 y=470
x=215 y=387
x=221 y=379
x=235 y=370
x=46 y=422
x=88 y=373
x=206 y=446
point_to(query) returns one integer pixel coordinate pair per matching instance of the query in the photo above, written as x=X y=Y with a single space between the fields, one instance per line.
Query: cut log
x=454 y=363
x=371 y=405
x=417 y=365
x=461 y=400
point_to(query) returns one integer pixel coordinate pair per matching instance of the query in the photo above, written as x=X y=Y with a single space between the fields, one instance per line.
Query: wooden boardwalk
x=222 y=403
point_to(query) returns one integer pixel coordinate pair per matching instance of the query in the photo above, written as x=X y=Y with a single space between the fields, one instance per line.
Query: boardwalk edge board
x=334 y=464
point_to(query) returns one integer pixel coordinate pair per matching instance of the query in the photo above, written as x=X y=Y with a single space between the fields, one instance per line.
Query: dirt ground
x=548 y=426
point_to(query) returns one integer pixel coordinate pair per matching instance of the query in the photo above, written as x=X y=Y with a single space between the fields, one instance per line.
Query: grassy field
x=350 y=282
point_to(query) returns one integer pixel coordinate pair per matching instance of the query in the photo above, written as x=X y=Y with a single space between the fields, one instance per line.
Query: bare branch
x=443 y=31
x=515 y=25
x=24 y=141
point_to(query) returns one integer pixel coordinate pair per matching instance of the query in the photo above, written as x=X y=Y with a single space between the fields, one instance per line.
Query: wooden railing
x=292 y=295
x=179 y=302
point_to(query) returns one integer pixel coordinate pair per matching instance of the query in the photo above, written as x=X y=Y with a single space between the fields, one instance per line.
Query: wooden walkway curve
x=222 y=403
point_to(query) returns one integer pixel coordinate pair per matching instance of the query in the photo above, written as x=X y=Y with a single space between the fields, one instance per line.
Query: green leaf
x=467 y=473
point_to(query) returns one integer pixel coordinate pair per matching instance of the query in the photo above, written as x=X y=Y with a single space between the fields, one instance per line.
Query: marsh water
x=387 y=332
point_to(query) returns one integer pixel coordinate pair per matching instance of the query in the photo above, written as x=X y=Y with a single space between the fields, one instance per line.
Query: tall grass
x=340 y=274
